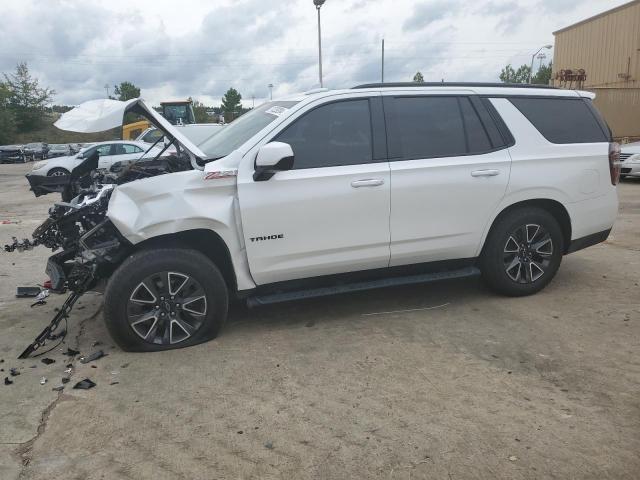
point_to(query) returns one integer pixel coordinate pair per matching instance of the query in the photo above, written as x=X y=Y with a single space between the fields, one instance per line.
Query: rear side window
x=431 y=127
x=331 y=135
x=561 y=120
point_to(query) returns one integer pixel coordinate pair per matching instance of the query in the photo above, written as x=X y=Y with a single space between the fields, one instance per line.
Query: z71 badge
x=221 y=174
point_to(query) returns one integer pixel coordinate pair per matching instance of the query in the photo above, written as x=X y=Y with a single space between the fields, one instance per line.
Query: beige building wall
x=607 y=47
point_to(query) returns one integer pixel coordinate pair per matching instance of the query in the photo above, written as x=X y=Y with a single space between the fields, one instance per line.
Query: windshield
x=242 y=129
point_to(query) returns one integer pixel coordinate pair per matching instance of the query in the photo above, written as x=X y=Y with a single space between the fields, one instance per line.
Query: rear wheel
x=522 y=252
x=165 y=298
x=58 y=172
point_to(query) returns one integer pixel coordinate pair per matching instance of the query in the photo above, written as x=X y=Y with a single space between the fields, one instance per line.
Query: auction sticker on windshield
x=276 y=110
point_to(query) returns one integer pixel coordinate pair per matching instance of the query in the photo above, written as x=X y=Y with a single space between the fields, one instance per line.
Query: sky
x=200 y=48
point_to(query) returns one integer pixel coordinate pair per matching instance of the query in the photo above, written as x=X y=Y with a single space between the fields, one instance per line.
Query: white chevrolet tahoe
x=336 y=191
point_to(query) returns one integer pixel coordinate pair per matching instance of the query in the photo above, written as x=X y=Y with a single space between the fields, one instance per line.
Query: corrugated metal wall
x=605 y=47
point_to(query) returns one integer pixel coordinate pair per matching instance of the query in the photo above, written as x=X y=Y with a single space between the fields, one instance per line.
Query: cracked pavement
x=481 y=387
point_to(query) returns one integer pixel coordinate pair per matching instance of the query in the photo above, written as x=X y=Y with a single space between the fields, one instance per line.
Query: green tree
x=509 y=75
x=200 y=112
x=126 y=91
x=7 y=120
x=418 y=78
x=543 y=75
x=231 y=104
x=26 y=100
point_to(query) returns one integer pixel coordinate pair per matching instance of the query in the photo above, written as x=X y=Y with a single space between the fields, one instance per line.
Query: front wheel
x=58 y=172
x=522 y=252
x=163 y=299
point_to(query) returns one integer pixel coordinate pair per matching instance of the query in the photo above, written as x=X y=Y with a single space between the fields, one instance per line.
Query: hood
x=100 y=115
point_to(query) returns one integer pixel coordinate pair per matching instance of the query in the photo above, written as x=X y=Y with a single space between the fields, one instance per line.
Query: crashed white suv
x=336 y=191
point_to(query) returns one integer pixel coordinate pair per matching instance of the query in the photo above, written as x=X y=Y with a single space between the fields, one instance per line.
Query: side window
x=152 y=136
x=425 y=127
x=104 y=150
x=128 y=149
x=331 y=135
x=477 y=137
x=561 y=120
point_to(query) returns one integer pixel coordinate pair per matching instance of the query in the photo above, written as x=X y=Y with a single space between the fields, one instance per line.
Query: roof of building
x=595 y=17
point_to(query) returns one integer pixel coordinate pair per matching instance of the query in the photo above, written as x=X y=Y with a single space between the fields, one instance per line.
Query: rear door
x=330 y=213
x=449 y=170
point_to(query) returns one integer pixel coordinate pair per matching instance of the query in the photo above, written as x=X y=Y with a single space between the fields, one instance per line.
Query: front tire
x=163 y=299
x=523 y=252
x=58 y=172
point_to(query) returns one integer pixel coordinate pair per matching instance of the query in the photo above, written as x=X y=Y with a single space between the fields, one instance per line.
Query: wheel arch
x=554 y=207
x=203 y=240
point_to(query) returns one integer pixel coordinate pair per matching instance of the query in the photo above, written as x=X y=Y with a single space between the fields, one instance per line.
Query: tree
x=26 y=100
x=7 y=120
x=509 y=75
x=200 y=112
x=126 y=91
x=231 y=104
x=543 y=75
x=418 y=78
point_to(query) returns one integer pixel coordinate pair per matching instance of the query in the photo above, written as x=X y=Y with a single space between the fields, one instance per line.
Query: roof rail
x=452 y=84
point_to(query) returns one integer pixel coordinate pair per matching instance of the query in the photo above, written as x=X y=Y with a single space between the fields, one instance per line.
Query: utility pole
x=253 y=101
x=548 y=47
x=270 y=91
x=318 y=4
x=383 y=60
x=106 y=87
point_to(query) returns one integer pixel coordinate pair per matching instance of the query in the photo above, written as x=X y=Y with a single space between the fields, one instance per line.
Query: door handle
x=485 y=173
x=369 y=182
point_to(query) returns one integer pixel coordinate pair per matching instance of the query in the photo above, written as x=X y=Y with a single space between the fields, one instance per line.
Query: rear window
x=562 y=120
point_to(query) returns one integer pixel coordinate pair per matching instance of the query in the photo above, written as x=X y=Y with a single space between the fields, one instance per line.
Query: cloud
x=426 y=13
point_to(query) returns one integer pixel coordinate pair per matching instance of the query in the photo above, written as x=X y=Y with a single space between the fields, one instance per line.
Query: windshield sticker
x=276 y=110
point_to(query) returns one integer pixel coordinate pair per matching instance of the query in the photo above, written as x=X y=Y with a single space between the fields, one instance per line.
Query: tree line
x=511 y=75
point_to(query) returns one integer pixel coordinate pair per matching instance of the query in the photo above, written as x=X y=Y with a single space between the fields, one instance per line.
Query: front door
x=330 y=213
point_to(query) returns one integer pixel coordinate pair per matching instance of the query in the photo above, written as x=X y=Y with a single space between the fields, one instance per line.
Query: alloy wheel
x=527 y=253
x=167 y=308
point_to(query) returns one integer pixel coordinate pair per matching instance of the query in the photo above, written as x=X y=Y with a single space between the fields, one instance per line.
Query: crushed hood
x=105 y=114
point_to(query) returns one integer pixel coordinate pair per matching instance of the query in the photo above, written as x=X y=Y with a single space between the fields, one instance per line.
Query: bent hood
x=100 y=115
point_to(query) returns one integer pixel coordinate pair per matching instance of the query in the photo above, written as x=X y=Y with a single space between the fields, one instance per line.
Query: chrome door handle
x=369 y=182
x=485 y=173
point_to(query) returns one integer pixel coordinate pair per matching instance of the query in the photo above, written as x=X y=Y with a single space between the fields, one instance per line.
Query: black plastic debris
x=7 y=381
x=48 y=361
x=27 y=292
x=71 y=352
x=59 y=388
x=14 y=372
x=85 y=384
x=93 y=356
x=65 y=379
x=114 y=383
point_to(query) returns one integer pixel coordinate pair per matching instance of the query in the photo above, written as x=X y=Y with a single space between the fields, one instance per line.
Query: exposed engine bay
x=87 y=247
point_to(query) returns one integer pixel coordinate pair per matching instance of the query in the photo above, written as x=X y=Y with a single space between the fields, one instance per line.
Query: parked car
x=12 y=154
x=197 y=132
x=36 y=150
x=109 y=153
x=339 y=191
x=630 y=160
x=59 y=150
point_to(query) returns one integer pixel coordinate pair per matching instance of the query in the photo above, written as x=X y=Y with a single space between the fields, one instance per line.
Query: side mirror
x=79 y=155
x=272 y=157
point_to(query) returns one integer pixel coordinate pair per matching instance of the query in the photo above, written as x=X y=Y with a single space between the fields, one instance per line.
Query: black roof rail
x=452 y=84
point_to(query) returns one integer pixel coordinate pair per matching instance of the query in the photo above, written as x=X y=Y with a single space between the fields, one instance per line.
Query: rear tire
x=163 y=299
x=523 y=252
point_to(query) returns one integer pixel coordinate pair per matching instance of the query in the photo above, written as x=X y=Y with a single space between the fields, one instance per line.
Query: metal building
x=602 y=54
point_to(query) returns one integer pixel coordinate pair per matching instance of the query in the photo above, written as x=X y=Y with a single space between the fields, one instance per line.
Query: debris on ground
x=124 y=365
x=513 y=458
x=27 y=292
x=114 y=383
x=96 y=343
x=48 y=361
x=92 y=357
x=14 y=372
x=40 y=298
x=71 y=352
x=59 y=388
x=7 y=381
x=43 y=380
x=85 y=384
x=66 y=379
x=68 y=370
x=269 y=445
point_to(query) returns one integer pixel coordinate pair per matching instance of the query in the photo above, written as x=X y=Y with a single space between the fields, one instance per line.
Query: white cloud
x=200 y=48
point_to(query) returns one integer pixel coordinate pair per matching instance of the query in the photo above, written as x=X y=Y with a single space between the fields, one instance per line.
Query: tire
x=622 y=176
x=58 y=172
x=523 y=252
x=138 y=323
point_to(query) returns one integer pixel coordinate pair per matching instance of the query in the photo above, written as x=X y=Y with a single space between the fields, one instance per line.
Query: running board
x=268 y=299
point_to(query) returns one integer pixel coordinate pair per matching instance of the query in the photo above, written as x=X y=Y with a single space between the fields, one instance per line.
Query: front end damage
x=87 y=246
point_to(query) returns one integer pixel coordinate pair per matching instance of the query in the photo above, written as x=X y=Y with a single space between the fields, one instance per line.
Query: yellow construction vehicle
x=178 y=112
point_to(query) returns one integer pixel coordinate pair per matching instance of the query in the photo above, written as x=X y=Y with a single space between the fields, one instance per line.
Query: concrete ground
x=438 y=381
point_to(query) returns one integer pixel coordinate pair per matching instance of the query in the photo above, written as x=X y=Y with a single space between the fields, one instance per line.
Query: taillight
x=614 y=162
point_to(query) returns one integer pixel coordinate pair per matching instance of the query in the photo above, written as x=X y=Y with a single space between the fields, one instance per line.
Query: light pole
x=106 y=87
x=548 y=47
x=318 y=4
x=270 y=91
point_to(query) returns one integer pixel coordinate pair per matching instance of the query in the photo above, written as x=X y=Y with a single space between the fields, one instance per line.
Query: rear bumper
x=588 y=241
